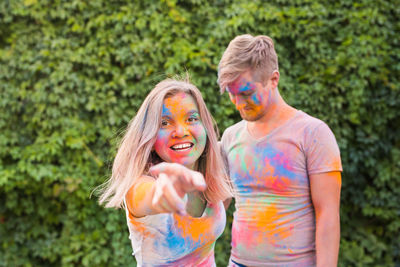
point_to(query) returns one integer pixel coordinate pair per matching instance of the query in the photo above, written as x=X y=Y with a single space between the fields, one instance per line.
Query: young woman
x=174 y=211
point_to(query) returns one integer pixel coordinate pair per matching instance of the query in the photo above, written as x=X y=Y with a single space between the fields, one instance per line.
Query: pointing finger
x=173 y=199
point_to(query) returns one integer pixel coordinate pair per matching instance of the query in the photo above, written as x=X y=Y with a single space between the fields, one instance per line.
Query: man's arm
x=325 y=193
x=228 y=201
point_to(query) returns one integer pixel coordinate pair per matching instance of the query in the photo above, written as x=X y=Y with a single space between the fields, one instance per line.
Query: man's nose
x=239 y=102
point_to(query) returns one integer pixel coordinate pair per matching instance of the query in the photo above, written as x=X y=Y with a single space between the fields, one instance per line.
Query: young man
x=284 y=164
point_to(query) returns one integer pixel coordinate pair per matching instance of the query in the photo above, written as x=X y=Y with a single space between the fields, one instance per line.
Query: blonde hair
x=246 y=52
x=135 y=156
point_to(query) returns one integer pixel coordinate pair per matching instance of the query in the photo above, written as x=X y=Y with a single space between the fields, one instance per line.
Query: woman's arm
x=164 y=195
x=139 y=197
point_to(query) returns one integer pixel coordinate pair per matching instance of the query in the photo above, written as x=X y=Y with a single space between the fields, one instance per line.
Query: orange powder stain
x=193 y=228
x=137 y=194
x=255 y=111
x=335 y=164
x=338 y=178
x=174 y=105
x=285 y=181
x=267 y=171
x=276 y=183
x=266 y=223
x=140 y=227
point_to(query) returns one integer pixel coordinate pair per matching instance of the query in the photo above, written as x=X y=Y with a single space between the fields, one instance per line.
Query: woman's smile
x=182 y=136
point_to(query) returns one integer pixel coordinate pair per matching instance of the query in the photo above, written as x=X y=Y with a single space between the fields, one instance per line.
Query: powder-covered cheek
x=200 y=134
x=162 y=140
x=256 y=99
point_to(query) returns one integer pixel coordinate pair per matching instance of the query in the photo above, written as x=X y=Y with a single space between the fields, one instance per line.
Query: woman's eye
x=164 y=123
x=193 y=119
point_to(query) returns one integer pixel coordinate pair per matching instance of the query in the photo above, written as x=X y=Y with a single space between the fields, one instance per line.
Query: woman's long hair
x=135 y=156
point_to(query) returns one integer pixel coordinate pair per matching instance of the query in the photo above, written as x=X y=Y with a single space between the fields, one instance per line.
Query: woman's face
x=182 y=136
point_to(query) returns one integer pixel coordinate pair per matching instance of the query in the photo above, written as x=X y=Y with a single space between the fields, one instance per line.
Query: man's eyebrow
x=243 y=88
x=247 y=87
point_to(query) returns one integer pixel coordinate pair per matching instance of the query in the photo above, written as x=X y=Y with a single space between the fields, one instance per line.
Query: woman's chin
x=190 y=164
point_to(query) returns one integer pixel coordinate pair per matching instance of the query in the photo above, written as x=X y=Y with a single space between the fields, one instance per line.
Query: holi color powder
x=178 y=240
x=274 y=220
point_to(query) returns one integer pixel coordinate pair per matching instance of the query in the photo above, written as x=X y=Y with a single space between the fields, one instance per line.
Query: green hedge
x=73 y=73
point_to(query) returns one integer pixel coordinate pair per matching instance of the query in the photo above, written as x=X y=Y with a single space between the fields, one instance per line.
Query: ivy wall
x=73 y=73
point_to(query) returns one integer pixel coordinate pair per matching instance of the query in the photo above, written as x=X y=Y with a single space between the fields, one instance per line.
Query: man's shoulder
x=304 y=120
x=232 y=134
x=313 y=130
x=233 y=129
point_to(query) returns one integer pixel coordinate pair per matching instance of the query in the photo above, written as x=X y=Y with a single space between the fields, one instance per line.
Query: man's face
x=251 y=98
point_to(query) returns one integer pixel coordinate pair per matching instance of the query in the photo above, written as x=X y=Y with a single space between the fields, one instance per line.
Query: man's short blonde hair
x=247 y=52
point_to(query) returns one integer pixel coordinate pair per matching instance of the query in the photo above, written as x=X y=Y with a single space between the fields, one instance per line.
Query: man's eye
x=247 y=94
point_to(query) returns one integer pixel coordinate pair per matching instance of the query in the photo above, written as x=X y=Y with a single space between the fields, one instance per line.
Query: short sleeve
x=224 y=155
x=322 y=151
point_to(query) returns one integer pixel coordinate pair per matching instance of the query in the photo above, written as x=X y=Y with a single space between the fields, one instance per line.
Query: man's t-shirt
x=274 y=221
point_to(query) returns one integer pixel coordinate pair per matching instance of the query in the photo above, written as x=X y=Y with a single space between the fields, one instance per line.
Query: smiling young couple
x=281 y=165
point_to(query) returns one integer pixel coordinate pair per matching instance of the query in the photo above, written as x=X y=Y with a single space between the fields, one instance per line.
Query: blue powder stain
x=245 y=88
x=246 y=179
x=271 y=154
x=255 y=99
x=174 y=241
x=162 y=133
x=166 y=111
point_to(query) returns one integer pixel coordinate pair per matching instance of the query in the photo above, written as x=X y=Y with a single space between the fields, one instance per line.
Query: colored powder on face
x=199 y=132
x=162 y=134
x=247 y=87
x=241 y=86
x=256 y=98
x=166 y=111
x=183 y=124
x=172 y=104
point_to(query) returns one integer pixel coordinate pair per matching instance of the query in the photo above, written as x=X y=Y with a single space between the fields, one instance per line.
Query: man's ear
x=274 y=79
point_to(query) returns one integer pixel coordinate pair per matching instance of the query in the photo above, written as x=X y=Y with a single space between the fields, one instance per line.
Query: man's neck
x=278 y=113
